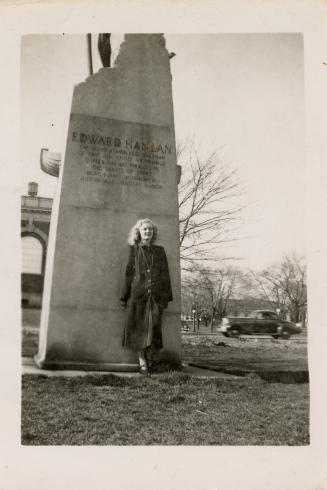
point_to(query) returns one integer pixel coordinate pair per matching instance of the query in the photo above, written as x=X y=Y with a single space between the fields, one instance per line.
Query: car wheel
x=283 y=334
x=234 y=332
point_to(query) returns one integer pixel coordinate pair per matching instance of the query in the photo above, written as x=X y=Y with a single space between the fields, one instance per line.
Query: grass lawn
x=174 y=408
x=167 y=409
x=281 y=360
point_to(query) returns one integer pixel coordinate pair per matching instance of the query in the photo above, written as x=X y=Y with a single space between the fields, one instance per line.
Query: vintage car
x=185 y=328
x=186 y=325
x=259 y=322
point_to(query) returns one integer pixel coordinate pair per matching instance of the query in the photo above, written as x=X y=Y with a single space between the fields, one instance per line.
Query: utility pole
x=89 y=53
x=193 y=313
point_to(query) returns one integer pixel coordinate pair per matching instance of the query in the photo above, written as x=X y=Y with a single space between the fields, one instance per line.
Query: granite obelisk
x=119 y=166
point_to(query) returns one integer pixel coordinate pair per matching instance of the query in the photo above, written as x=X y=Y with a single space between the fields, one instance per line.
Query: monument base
x=84 y=366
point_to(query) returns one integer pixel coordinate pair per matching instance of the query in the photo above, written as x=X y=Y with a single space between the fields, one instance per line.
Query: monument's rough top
x=137 y=88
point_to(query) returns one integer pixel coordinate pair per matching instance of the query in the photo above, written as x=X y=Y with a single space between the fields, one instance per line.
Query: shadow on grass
x=271 y=376
x=286 y=377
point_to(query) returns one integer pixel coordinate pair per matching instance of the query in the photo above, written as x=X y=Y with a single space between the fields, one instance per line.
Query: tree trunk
x=213 y=311
x=295 y=313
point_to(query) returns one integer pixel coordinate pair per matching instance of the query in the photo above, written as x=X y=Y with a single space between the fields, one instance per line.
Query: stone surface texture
x=120 y=165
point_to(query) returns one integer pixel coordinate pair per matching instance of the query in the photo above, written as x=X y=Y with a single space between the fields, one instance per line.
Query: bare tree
x=221 y=285
x=193 y=296
x=209 y=206
x=211 y=290
x=284 y=285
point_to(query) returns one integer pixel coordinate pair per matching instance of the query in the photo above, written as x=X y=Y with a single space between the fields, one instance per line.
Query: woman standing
x=146 y=292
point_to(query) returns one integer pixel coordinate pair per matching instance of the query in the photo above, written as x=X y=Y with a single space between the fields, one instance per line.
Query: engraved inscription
x=113 y=160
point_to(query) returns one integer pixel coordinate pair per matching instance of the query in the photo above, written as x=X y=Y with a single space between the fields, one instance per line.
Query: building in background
x=35 y=224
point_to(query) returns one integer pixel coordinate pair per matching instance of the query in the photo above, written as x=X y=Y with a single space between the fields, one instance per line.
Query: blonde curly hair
x=135 y=235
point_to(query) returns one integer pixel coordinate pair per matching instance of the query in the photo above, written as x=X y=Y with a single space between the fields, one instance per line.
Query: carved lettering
x=116 y=142
x=121 y=160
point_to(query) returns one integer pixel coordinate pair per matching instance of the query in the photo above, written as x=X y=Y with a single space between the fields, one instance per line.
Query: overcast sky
x=244 y=92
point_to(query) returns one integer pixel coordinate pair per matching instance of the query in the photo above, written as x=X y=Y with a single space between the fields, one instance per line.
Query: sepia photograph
x=164 y=253
x=163 y=244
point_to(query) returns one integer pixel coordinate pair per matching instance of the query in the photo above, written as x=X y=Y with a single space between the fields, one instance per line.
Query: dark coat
x=146 y=287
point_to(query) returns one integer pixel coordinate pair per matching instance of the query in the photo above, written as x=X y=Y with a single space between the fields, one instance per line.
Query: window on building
x=32 y=255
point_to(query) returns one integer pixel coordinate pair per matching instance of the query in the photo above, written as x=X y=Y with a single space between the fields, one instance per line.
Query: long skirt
x=143 y=324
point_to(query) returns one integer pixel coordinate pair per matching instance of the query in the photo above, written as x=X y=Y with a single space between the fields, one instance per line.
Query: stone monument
x=120 y=165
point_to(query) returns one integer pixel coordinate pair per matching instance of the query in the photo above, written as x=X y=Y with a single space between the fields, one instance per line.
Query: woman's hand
x=122 y=304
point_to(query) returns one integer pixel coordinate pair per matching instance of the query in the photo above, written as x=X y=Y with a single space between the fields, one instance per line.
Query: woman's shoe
x=149 y=357
x=150 y=366
x=144 y=370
